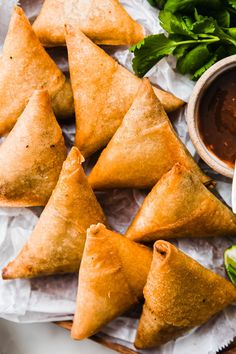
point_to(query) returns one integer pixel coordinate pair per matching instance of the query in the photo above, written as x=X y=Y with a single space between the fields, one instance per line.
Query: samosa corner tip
x=95 y=229
x=77 y=333
x=18 y=10
x=162 y=247
x=8 y=272
x=163 y=250
x=70 y=30
x=5 y=274
x=73 y=161
x=41 y=94
x=75 y=154
x=11 y=271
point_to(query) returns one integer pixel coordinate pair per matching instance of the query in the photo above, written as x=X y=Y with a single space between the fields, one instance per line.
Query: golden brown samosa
x=180 y=294
x=32 y=155
x=179 y=205
x=49 y=25
x=57 y=242
x=143 y=148
x=103 y=92
x=112 y=276
x=104 y=21
x=25 y=67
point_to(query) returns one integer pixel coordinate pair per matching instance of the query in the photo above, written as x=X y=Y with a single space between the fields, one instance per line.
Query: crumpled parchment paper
x=53 y=298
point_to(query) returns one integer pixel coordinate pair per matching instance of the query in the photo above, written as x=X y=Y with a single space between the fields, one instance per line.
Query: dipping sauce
x=217 y=117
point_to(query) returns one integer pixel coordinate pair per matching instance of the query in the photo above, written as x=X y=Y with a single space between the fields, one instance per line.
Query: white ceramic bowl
x=193 y=113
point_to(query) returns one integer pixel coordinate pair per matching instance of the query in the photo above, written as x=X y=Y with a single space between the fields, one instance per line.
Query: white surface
x=43 y=339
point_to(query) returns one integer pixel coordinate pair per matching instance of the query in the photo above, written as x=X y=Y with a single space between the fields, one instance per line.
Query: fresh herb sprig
x=199 y=33
x=230 y=263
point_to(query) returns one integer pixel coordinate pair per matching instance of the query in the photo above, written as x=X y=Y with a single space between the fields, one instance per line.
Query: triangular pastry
x=104 y=21
x=25 y=67
x=180 y=294
x=32 y=155
x=49 y=25
x=57 y=242
x=179 y=205
x=103 y=92
x=112 y=276
x=144 y=147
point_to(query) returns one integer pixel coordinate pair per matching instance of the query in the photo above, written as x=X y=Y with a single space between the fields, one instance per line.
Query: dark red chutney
x=217 y=117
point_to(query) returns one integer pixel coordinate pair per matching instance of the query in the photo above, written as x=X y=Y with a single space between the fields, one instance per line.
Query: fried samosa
x=32 y=155
x=103 y=92
x=57 y=242
x=179 y=205
x=49 y=25
x=104 y=21
x=180 y=294
x=143 y=148
x=112 y=276
x=25 y=67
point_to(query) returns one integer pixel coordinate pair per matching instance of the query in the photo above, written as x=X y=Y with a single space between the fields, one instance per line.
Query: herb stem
x=230 y=9
x=198 y=41
x=203 y=35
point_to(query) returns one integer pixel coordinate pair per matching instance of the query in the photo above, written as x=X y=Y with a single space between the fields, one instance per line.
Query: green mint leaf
x=231 y=50
x=188 y=5
x=152 y=2
x=223 y=36
x=196 y=15
x=149 y=51
x=176 y=24
x=189 y=21
x=232 y=3
x=231 y=32
x=157 y=3
x=165 y=18
x=177 y=37
x=179 y=5
x=179 y=26
x=223 y=18
x=230 y=263
x=204 y=25
x=198 y=73
x=193 y=60
x=219 y=53
x=180 y=51
x=196 y=29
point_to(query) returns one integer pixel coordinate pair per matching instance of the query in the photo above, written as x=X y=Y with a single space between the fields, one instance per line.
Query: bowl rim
x=192 y=117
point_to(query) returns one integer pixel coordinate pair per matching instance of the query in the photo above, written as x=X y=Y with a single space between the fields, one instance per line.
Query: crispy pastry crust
x=180 y=294
x=179 y=205
x=57 y=242
x=105 y=22
x=32 y=155
x=144 y=147
x=112 y=276
x=103 y=92
x=25 y=67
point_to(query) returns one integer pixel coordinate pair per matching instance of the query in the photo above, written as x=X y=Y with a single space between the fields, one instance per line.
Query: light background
x=43 y=339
